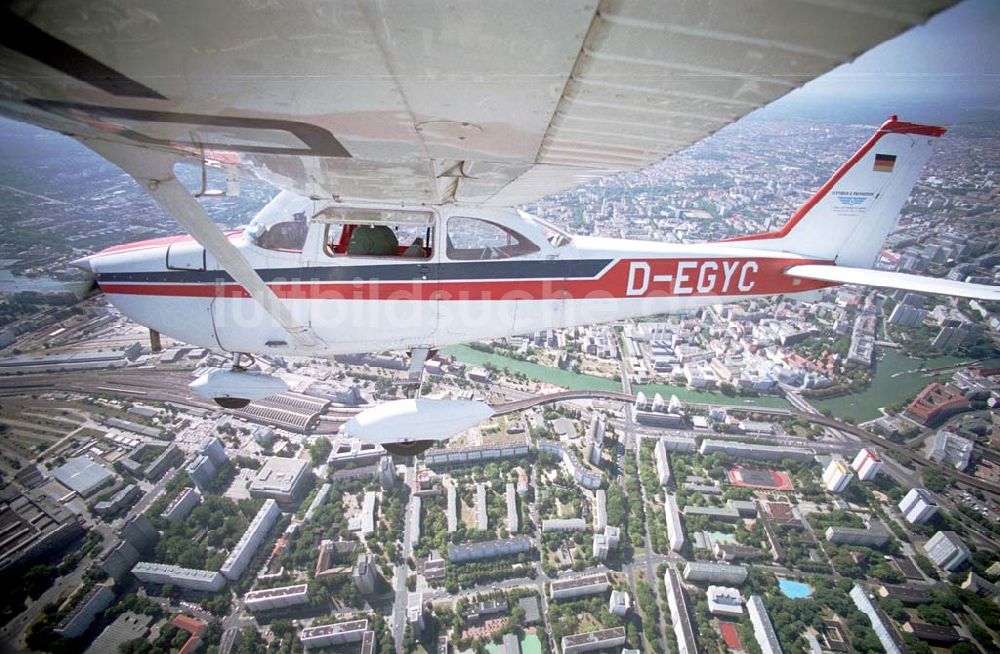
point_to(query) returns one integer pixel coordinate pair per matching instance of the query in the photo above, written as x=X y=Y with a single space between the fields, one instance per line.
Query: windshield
x=282 y=225
x=555 y=236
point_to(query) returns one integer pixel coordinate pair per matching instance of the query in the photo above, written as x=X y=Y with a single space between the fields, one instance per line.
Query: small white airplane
x=398 y=233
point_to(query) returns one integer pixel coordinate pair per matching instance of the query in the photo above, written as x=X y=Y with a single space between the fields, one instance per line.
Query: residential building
x=917 y=506
x=181 y=506
x=482 y=518
x=720 y=573
x=415 y=507
x=947 y=550
x=511 y=645
x=452 y=514
x=214 y=450
x=192 y=579
x=281 y=479
x=837 y=475
x=510 y=447
x=723 y=600
x=662 y=462
x=763 y=630
x=243 y=552
x=680 y=612
x=600 y=510
x=951 y=449
x=201 y=472
x=333 y=634
x=93 y=600
x=512 y=520
x=365 y=520
x=620 y=603
x=875 y=534
x=594 y=640
x=867 y=464
x=276 y=598
x=364 y=574
x=564 y=524
x=488 y=549
x=880 y=624
x=580 y=473
x=415 y=612
x=605 y=542
x=579 y=586
x=353 y=452
x=756 y=452
x=675 y=532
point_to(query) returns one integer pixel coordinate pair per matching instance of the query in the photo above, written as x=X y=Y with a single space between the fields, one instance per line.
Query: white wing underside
x=482 y=102
x=886 y=279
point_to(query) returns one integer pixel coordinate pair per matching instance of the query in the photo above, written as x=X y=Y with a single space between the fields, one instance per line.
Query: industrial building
x=83 y=475
x=33 y=526
x=488 y=549
x=181 y=506
x=121 y=500
x=243 y=552
x=680 y=613
x=594 y=640
x=880 y=625
x=579 y=586
x=837 y=475
x=875 y=534
x=280 y=479
x=662 y=462
x=162 y=573
x=675 y=532
x=947 y=550
x=716 y=573
x=917 y=506
x=756 y=452
x=763 y=630
x=270 y=599
x=867 y=464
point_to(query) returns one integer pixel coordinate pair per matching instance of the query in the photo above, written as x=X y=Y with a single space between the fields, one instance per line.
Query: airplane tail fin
x=848 y=219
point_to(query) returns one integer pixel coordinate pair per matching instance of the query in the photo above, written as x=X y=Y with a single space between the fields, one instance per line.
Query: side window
x=282 y=236
x=472 y=239
x=405 y=240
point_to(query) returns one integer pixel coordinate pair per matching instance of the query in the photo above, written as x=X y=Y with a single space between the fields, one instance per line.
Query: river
x=9 y=283
x=895 y=378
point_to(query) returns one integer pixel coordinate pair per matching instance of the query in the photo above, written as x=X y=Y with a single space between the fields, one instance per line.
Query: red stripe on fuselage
x=626 y=279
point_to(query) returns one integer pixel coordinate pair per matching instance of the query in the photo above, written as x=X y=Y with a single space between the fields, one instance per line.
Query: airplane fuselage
x=517 y=278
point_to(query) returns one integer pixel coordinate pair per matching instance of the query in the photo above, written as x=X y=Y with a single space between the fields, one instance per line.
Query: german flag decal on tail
x=884 y=163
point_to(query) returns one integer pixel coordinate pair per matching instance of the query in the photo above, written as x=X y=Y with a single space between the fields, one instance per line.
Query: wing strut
x=154 y=170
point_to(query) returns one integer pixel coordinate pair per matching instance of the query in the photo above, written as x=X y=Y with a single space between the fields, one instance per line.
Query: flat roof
x=577 y=582
x=595 y=636
x=81 y=474
x=335 y=628
x=278 y=475
x=276 y=592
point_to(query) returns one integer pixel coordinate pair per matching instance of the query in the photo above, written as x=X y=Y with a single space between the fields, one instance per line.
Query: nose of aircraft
x=84 y=264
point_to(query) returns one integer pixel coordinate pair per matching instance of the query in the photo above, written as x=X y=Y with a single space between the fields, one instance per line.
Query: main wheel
x=409 y=448
x=231 y=402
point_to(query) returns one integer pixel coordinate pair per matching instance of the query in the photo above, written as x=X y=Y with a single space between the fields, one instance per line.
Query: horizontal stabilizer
x=885 y=279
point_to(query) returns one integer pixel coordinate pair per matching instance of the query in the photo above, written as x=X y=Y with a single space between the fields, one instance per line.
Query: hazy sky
x=949 y=66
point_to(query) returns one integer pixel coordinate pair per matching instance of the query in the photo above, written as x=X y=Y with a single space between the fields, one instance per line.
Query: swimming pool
x=794 y=589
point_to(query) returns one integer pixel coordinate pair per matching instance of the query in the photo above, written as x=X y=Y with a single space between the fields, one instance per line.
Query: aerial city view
x=795 y=472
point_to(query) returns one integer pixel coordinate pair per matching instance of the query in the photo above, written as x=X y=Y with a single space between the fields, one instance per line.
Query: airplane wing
x=886 y=279
x=421 y=101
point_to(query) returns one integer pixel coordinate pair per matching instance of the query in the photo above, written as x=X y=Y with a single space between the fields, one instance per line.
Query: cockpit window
x=472 y=239
x=282 y=225
x=555 y=236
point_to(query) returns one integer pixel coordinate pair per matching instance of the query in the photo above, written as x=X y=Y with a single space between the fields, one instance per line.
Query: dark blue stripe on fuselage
x=450 y=271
